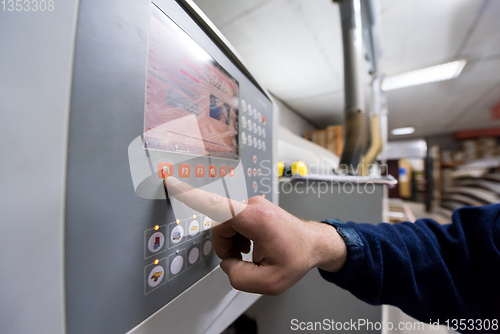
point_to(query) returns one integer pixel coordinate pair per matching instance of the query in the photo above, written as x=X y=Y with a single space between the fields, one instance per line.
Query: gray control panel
x=154 y=95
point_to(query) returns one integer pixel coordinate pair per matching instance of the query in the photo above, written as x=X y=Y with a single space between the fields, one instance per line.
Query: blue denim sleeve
x=432 y=272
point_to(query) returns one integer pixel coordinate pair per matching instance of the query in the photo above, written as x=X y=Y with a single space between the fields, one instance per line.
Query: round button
x=260 y=117
x=207 y=223
x=260 y=130
x=243 y=122
x=249 y=171
x=249 y=125
x=177 y=264
x=254 y=129
x=156 y=242
x=249 y=110
x=194 y=227
x=243 y=105
x=264 y=133
x=255 y=142
x=259 y=172
x=259 y=144
x=249 y=140
x=254 y=159
x=193 y=256
x=255 y=186
x=207 y=247
x=243 y=138
x=255 y=172
x=156 y=276
x=177 y=234
x=255 y=114
x=264 y=145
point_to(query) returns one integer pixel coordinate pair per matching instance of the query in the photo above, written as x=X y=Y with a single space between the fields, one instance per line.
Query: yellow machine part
x=281 y=167
x=299 y=168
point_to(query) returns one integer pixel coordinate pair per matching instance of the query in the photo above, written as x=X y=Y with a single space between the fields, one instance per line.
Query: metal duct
x=356 y=136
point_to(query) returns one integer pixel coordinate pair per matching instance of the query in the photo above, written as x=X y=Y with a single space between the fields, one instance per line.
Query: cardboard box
x=330 y=138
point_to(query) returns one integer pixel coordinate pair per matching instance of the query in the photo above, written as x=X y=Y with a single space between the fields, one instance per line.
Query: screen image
x=191 y=100
x=219 y=110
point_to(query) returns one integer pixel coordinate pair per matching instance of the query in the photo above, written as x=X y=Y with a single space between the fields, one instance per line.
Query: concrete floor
x=394 y=314
x=418 y=210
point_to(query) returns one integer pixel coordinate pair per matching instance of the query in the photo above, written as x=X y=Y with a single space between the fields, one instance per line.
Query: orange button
x=222 y=171
x=263 y=120
x=184 y=170
x=231 y=171
x=169 y=169
x=199 y=171
x=212 y=171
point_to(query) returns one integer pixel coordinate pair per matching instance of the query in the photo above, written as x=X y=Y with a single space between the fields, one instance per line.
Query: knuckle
x=216 y=200
x=236 y=282
x=261 y=213
x=273 y=285
x=258 y=199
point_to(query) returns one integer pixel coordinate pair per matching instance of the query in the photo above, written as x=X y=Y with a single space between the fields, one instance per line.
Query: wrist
x=329 y=248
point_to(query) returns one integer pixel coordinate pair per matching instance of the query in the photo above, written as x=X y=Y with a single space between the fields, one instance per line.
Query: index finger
x=217 y=207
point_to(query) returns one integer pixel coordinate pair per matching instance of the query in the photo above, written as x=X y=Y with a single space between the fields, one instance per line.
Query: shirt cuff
x=355 y=254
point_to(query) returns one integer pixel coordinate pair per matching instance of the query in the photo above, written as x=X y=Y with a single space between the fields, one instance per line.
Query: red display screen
x=191 y=100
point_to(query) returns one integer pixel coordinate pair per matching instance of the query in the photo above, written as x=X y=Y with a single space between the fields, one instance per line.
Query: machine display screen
x=191 y=100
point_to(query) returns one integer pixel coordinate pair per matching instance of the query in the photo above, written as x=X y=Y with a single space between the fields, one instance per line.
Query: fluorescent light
x=403 y=131
x=425 y=75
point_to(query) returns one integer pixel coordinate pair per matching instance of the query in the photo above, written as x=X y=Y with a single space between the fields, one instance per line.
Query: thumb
x=248 y=276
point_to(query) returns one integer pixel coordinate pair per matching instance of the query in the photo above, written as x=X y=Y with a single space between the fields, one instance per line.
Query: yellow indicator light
x=156 y=261
x=242 y=201
x=194 y=216
x=157 y=227
x=177 y=221
x=264 y=195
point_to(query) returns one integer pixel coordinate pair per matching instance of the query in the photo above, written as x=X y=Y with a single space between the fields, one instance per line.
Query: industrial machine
x=147 y=90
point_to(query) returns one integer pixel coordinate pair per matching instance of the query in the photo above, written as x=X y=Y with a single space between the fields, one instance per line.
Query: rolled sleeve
x=355 y=254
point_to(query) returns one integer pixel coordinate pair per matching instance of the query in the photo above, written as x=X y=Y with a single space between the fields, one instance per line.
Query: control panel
x=154 y=96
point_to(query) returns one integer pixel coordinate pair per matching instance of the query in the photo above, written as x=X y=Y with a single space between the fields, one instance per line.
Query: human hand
x=285 y=247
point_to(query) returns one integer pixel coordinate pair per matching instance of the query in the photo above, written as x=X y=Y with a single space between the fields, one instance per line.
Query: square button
x=199 y=171
x=165 y=169
x=177 y=263
x=155 y=275
x=155 y=241
x=231 y=171
x=184 y=170
x=212 y=171
x=222 y=171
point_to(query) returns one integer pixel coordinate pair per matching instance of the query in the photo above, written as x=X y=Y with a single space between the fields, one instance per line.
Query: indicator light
x=157 y=261
x=157 y=227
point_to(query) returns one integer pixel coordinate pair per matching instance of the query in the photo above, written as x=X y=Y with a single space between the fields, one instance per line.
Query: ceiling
x=294 y=48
